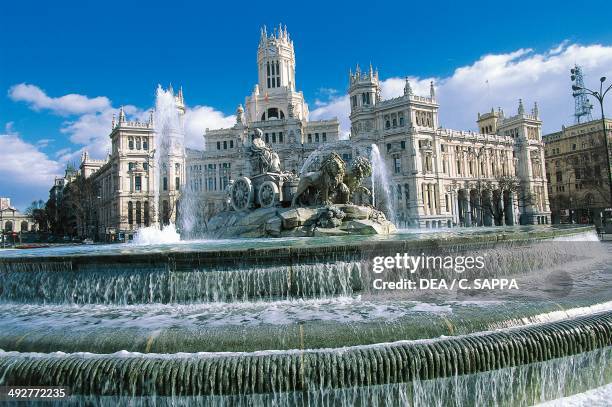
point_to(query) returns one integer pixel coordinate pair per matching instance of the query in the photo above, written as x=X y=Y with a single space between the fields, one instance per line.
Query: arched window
x=130 y=213
x=165 y=212
x=8 y=226
x=263 y=117
x=24 y=226
x=146 y=213
x=273 y=113
x=138 y=213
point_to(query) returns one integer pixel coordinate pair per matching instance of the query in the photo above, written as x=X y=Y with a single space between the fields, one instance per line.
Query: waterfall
x=382 y=193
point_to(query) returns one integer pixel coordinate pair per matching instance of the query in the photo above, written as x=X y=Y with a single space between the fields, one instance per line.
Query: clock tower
x=274 y=96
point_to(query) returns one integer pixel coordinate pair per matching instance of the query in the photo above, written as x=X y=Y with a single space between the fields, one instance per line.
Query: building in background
x=577 y=174
x=13 y=222
x=442 y=177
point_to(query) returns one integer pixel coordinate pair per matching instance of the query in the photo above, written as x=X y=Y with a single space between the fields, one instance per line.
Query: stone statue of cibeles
x=263 y=158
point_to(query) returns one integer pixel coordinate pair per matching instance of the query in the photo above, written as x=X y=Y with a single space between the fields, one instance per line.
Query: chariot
x=263 y=190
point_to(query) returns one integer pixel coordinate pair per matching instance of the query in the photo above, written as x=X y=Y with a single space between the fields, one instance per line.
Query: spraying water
x=168 y=158
x=382 y=195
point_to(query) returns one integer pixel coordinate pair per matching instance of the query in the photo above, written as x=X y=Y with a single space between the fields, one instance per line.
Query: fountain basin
x=250 y=321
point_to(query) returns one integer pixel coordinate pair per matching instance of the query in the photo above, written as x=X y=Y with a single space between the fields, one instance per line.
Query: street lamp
x=600 y=98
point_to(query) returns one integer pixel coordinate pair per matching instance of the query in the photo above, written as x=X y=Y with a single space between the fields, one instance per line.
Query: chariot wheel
x=241 y=193
x=268 y=194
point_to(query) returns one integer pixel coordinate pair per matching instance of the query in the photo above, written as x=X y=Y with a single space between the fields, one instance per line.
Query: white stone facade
x=443 y=177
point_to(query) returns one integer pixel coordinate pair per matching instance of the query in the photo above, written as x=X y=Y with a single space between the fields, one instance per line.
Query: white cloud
x=71 y=104
x=499 y=80
x=27 y=173
x=200 y=118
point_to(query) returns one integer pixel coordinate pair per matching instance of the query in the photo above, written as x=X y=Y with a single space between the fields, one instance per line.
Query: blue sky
x=118 y=52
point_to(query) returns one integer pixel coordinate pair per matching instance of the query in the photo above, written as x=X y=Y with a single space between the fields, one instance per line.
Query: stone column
x=479 y=209
x=455 y=198
x=501 y=207
x=425 y=203
x=468 y=209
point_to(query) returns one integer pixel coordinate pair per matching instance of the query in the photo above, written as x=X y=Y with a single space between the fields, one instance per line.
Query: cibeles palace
x=439 y=177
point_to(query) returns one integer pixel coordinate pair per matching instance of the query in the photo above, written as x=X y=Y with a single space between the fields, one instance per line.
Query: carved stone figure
x=360 y=169
x=263 y=158
x=322 y=183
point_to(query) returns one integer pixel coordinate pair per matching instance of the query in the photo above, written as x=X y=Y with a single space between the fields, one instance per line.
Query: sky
x=67 y=66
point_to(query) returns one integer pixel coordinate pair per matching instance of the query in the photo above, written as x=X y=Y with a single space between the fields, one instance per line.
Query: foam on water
x=153 y=235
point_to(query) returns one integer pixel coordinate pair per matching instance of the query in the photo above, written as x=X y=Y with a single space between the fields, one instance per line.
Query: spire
x=151 y=117
x=358 y=70
x=239 y=112
x=84 y=156
x=521 y=108
x=536 y=110
x=407 y=88
x=114 y=122
x=432 y=90
x=371 y=71
x=170 y=88
x=121 y=115
x=180 y=95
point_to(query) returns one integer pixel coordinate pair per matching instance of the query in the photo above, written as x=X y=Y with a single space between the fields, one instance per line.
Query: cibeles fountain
x=294 y=309
x=274 y=203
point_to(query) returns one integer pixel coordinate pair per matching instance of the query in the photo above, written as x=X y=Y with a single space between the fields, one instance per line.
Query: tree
x=37 y=211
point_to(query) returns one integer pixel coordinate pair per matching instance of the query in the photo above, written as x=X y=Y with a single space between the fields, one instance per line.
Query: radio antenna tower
x=583 y=107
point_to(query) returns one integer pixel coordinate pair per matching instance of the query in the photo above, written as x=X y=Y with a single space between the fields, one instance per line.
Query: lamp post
x=600 y=98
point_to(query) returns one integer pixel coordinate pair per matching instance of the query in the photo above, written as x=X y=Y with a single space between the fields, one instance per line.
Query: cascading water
x=252 y=322
x=382 y=193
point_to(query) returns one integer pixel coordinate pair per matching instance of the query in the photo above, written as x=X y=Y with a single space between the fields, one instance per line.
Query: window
x=273 y=113
x=401 y=121
x=165 y=182
x=397 y=164
x=394 y=122
x=387 y=124
x=280 y=137
x=146 y=213
x=559 y=176
x=130 y=213
x=225 y=144
x=310 y=138
x=231 y=143
x=145 y=144
x=365 y=98
x=177 y=183
x=354 y=100
x=218 y=145
x=324 y=137
x=388 y=147
x=403 y=144
x=131 y=143
x=573 y=146
x=138 y=183
x=274 y=137
x=145 y=166
x=131 y=166
x=316 y=137
x=267 y=138
x=138 y=213
x=138 y=143
x=399 y=192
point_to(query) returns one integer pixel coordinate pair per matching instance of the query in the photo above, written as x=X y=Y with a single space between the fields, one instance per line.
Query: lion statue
x=360 y=168
x=323 y=182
